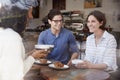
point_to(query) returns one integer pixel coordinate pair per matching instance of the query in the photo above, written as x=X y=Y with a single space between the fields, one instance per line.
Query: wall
x=110 y=7
x=45 y=7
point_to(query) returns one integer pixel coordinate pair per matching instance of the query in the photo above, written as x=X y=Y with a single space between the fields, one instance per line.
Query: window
x=59 y=4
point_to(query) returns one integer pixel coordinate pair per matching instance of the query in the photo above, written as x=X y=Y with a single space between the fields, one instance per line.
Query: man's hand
x=39 y=54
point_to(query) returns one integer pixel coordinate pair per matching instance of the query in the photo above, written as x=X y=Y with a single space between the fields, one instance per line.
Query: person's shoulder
x=67 y=30
x=47 y=31
x=12 y=33
x=90 y=36
x=108 y=35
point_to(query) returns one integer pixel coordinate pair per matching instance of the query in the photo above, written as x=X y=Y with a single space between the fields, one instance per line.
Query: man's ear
x=49 y=21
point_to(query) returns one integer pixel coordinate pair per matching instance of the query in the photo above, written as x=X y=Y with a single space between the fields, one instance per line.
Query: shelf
x=73 y=17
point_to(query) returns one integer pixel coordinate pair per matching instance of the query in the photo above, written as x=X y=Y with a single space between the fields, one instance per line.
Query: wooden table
x=40 y=72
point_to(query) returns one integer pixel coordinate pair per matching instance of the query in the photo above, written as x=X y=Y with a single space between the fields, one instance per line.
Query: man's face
x=56 y=23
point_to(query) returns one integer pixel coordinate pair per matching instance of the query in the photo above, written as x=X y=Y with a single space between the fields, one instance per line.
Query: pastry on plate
x=58 y=64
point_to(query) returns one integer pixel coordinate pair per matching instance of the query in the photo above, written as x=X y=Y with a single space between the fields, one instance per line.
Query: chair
x=116 y=75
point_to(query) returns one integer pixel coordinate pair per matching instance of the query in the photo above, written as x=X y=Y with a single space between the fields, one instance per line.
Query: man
x=65 y=48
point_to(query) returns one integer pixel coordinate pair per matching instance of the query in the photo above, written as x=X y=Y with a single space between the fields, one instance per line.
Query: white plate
x=76 y=61
x=38 y=62
x=41 y=46
x=52 y=66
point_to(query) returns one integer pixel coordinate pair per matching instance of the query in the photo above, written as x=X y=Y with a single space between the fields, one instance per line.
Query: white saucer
x=76 y=61
x=42 y=46
x=38 y=62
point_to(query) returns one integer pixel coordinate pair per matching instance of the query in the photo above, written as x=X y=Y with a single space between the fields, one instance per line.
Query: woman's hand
x=39 y=54
x=69 y=63
x=85 y=64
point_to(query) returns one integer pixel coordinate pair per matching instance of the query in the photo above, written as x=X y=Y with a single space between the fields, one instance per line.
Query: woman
x=13 y=62
x=100 y=46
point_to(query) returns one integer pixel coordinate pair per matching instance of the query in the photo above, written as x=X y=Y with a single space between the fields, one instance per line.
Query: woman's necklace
x=97 y=40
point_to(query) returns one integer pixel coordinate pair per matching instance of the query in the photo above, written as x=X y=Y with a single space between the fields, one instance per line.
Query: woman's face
x=93 y=24
x=56 y=23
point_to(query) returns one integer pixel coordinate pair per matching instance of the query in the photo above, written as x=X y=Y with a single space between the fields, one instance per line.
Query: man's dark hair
x=53 y=13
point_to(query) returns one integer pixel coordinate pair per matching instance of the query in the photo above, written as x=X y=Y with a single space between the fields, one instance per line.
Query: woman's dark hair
x=53 y=13
x=99 y=16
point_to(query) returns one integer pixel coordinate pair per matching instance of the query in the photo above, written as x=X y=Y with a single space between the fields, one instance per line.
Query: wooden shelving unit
x=75 y=17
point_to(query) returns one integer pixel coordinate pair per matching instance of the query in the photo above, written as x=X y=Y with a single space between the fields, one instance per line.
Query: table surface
x=43 y=72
